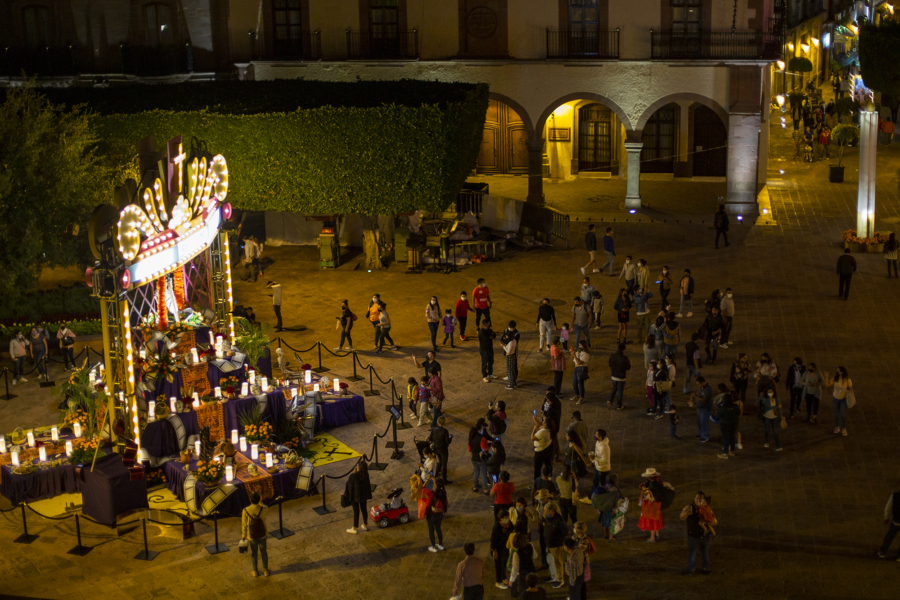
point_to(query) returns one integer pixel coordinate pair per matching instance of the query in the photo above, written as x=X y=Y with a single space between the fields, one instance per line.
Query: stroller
x=394 y=510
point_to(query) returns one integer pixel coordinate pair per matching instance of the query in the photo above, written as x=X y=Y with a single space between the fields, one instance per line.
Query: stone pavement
x=802 y=523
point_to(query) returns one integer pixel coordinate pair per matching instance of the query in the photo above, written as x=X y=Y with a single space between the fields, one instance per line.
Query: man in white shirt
x=276 y=301
x=600 y=457
x=252 y=251
x=543 y=450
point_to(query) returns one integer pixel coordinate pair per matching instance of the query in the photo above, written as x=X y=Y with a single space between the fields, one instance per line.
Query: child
x=597 y=307
x=412 y=392
x=564 y=336
x=673 y=421
x=449 y=326
x=707 y=518
x=422 y=396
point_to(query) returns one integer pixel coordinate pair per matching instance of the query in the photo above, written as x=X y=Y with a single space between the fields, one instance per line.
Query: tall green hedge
x=368 y=160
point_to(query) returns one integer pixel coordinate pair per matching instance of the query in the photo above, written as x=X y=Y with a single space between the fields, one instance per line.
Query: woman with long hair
x=358 y=490
x=576 y=457
x=346 y=320
x=433 y=316
x=842 y=388
x=622 y=307
x=434 y=514
x=740 y=375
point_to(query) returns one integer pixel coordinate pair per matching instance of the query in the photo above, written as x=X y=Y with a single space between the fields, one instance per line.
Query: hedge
x=79 y=327
x=54 y=305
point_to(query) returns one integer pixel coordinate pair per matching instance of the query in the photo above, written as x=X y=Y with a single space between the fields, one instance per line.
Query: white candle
x=76 y=428
x=92 y=379
x=269 y=461
x=172 y=406
x=337 y=385
x=307 y=377
x=234 y=436
x=293 y=393
x=15 y=458
x=219 y=340
x=265 y=384
x=218 y=391
x=143 y=354
x=122 y=397
x=30 y=439
x=253 y=376
x=245 y=389
x=151 y=413
x=254 y=451
x=42 y=453
x=54 y=433
x=196 y=400
x=229 y=473
x=315 y=387
x=219 y=353
x=243 y=444
x=2 y=444
x=68 y=447
x=197 y=448
x=194 y=357
x=211 y=340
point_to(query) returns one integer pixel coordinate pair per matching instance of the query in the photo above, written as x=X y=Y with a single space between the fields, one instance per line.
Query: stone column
x=743 y=162
x=868 y=147
x=633 y=189
x=535 y=171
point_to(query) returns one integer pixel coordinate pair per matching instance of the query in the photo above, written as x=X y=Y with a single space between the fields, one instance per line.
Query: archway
x=507 y=130
x=710 y=143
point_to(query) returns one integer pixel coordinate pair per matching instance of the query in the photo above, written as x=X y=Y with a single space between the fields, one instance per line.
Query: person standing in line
x=372 y=313
x=643 y=274
x=546 y=322
x=843 y=388
x=703 y=399
x=567 y=484
x=469 y=581
x=629 y=272
x=622 y=306
x=671 y=334
x=642 y=311
x=276 y=302
x=890 y=254
x=477 y=444
x=812 y=382
x=39 y=348
x=581 y=358
x=794 y=384
x=555 y=531
x=462 y=314
x=346 y=319
x=601 y=459
x=699 y=519
x=253 y=529
x=440 y=441
x=671 y=367
x=551 y=408
x=499 y=551
x=522 y=568
x=433 y=318
x=358 y=491
x=18 y=349
x=619 y=365
x=575 y=570
x=486 y=337
x=543 y=450
x=66 y=339
x=449 y=322
x=610 y=249
x=597 y=308
x=510 y=342
x=846 y=266
x=650 y=353
x=482 y=296
x=892 y=519
x=580 y=427
x=728 y=415
x=726 y=310
x=436 y=391
x=714 y=327
x=582 y=318
x=770 y=409
x=590 y=244
x=384 y=324
x=557 y=364
x=434 y=514
x=766 y=373
x=502 y=490
x=721 y=223
x=657 y=331
x=665 y=286
x=740 y=375
x=686 y=289
x=692 y=364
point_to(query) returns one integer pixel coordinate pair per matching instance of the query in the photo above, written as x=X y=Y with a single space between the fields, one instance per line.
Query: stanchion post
x=217 y=548
x=146 y=553
x=6 y=380
x=24 y=538
x=46 y=383
x=355 y=377
x=320 y=368
x=79 y=550
x=388 y=407
x=323 y=510
x=396 y=455
x=281 y=532
x=371 y=391
x=377 y=466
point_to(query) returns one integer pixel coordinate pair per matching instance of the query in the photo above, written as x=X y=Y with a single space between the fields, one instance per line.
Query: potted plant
x=842 y=135
x=209 y=471
x=253 y=341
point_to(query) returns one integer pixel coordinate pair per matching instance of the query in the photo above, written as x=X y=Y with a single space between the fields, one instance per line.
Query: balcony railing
x=738 y=45
x=583 y=44
x=365 y=45
x=267 y=46
x=157 y=61
x=44 y=61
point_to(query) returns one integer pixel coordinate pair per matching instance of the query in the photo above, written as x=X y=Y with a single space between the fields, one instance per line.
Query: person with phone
x=502 y=493
x=493 y=458
x=478 y=444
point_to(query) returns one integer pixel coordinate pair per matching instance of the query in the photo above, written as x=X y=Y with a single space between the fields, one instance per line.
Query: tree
x=843 y=135
x=879 y=55
x=51 y=178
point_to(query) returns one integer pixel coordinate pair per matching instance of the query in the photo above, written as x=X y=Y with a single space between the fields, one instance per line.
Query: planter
x=875 y=248
x=836 y=174
x=854 y=247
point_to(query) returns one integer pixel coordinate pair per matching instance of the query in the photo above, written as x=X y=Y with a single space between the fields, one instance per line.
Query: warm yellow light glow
x=815 y=42
x=780 y=64
x=791 y=46
x=804 y=47
x=780 y=99
x=853 y=28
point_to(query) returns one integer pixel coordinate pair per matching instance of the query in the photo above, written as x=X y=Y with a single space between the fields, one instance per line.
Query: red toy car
x=395 y=510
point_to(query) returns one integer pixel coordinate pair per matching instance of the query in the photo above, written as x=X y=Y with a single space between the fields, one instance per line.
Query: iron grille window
x=686 y=17
x=384 y=19
x=584 y=17
x=287 y=19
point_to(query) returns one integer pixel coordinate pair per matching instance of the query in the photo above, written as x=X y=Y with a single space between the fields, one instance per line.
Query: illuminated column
x=633 y=189
x=229 y=290
x=868 y=148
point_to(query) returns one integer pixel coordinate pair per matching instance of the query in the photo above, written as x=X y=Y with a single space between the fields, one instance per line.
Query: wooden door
x=518 y=149
x=595 y=138
x=710 y=143
x=503 y=141
x=488 y=157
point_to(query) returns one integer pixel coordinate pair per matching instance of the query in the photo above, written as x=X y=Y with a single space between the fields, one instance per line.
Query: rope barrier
x=281 y=341
x=334 y=353
x=390 y=379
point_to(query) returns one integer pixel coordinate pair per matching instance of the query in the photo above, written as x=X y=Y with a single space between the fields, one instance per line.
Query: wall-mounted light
x=804 y=47
x=791 y=46
x=780 y=99
x=780 y=65
x=815 y=41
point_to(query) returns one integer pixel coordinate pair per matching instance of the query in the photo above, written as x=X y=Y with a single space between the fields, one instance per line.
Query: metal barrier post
x=281 y=532
x=320 y=368
x=79 y=550
x=217 y=548
x=396 y=455
x=371 y=391
x=6 y=380
x=355 y=377
x=24 y=538
x=377 y=466
x=323 y=510
x=46 y=383
x=146 y=553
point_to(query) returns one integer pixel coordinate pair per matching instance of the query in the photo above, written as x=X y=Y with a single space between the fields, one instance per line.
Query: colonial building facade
x=579 y=88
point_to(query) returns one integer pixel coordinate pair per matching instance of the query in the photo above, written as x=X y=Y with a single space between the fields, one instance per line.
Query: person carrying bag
x=254 y=533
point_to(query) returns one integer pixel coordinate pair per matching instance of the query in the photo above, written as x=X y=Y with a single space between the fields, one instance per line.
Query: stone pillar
x=536 y=171
x=868 y=147
x=743 y=162
x=633 y=189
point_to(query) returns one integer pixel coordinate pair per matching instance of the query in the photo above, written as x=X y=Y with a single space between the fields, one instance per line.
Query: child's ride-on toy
x=397 y=510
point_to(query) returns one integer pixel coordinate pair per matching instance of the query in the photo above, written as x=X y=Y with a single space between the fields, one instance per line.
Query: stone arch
x=520 y=110
x=542 y=120
x=687 y=96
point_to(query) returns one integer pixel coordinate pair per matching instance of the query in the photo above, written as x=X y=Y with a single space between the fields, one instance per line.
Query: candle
x=293 y=392
x=265 y=384
x=307 y=378
x=254 y=451
x=218 y=391
x=253 y=377
x=54 y=433
x=315 y=387
x=196 y=400
x=15 y=458
x=151 y=413
x=76 y=428
x=2 y=444
x=234 y=436
x=30 y=439
x=337 y=385
x=68 y=447
x=143 y=354
x=229 y=473
x=245 y=389
x=211 y=340
x=92 y=378
x=194 y=357
x=243 y=444
x=197 y=448
x=122 y=397
x=269 y=461
x=172 y=406
x=42 y=453
x=219 y=341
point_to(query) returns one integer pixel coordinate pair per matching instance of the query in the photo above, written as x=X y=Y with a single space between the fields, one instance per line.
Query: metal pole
x=218 y=548
x=396 y=455
x=322 y=510
x=281 y=533
x=377 y=466
x=355 y=377
x=79 y=550
x=320 y=368
x=146 y=553
x=6 y=380
x=25 y=538
x=371 y=391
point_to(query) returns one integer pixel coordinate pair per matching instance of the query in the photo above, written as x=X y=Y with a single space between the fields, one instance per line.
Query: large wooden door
x=595 y=138
x=660 y=133
x=503 y=142
x=710 y=143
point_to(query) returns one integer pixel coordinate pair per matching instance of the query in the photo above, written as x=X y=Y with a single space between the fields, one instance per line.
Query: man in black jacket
x=714 y=326
x=618 y=367
x=500 y=553
x=479 y=468
x=555 y=531
x=546 y=322
x=721 y=223
x=846 y=266
x=590 y=244
x=486 y=337
x=440 y=441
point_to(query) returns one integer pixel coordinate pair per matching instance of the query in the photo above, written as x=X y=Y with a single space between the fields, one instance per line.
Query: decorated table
x=337 y=408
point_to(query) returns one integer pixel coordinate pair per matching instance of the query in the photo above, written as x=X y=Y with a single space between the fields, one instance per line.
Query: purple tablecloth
x=340 y=412
x=214 y=376
x=43 y=483
x=159 y=438
x=264 y=365
x=275 y=412
x=108 y=491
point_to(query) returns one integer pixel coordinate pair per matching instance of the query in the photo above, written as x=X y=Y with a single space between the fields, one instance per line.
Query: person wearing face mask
x=66 y=339
x=462 y=314
x=482 y=296
x=812 y=382
x=546 y=322
x=794 y=384
x=665 y=286
x=643 y=274
x=686 y=289
x=770 y=409
x=39 y=348
x=433 y=318
x=373 y=314
x=726 y=309
x=629 y=272
x=587 y=291
x=843 y=389
x=582 y=319
x=766 y=374
x=18 y=350
x=499 y=551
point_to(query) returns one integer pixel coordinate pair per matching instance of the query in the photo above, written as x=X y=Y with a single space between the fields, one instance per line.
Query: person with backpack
x=66 y=339
x=720 y=221
x=347 y=319
x=358 y=491
x=253 y=530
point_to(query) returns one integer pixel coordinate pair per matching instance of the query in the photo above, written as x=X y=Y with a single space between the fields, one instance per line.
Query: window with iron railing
x=384 y=19
x=158 y=20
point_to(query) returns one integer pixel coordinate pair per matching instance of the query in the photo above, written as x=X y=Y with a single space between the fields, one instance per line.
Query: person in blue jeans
x=582 y=359
x=610 y=249
x=703 y=399
x=699 y=519
x=39 y=348
x=582 y=320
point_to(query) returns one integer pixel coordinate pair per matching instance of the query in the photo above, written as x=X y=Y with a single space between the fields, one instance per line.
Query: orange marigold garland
x=162 y=322
x=178 y=276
